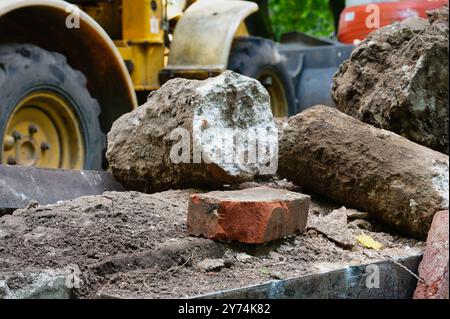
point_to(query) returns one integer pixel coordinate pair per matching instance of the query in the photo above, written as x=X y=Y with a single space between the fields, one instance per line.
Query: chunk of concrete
x=434 y=266
x=398 y=182
x=253 y=216
x=196 y=134
x=334 y=226
x=397 y=79
x=210 y=265
x=38 y=284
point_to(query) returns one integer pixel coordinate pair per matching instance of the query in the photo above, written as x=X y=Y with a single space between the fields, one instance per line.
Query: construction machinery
x=68 y=70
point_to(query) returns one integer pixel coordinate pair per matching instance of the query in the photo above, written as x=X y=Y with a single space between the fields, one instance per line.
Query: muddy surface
x=135 y=245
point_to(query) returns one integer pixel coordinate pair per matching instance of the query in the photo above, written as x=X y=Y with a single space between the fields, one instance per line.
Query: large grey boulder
x=397 y=79
x=196 y=134
x=397 y=181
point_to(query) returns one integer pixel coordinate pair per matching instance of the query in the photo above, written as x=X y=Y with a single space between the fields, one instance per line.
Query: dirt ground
x=135 y=245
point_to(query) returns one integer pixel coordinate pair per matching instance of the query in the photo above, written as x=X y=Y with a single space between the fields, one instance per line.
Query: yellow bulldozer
x=69 y=69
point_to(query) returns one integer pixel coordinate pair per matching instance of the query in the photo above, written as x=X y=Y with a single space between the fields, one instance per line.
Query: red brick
x=254 y=215
x=434 y=267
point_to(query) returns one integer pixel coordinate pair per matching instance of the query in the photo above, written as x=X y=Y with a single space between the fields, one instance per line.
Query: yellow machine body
x=199 y=45
x=120 y=45
x=203 y=36
x=88 y=48
x=124 y=48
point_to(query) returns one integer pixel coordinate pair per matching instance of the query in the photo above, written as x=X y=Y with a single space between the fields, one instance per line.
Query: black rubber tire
x=250 y=56
x=25 y=68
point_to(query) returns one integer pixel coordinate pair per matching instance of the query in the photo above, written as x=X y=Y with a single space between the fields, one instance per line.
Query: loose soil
x=135 y=245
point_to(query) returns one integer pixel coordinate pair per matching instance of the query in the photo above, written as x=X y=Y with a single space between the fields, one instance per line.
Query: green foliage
x=310 y=16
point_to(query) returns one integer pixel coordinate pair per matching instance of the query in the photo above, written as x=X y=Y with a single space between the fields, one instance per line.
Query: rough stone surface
x=255 y=215
x=397 y=79
x=398 y=182
x=36 y=284
x=334 y=226
x=360 y=224
x=353 y=214
x=211 y=264
x=243 y=257
x=434 y=267
x=193 y=134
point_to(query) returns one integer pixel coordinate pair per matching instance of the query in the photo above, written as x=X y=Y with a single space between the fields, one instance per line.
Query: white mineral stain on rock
x=441 y=180
x=235 y=135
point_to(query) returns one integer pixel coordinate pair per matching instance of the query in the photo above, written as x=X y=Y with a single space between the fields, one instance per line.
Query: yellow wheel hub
x=43 y=131
x=274 y=86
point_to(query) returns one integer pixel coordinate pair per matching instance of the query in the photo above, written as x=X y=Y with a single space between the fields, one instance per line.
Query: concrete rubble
x=397 y=79
x=216 y=189
x=209 y=265
x=398 y=182
x=195 y=134
x=37 y=284
x=335 y=227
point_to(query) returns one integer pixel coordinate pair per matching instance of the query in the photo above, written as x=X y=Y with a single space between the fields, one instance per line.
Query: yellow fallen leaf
x=369 y=242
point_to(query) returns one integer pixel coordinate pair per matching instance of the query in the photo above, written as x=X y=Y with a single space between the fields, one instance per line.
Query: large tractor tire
x=259 y=58
x=47 y=116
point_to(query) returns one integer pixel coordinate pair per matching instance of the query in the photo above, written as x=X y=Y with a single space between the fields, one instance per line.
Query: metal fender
x=86 y=46
x=203 y=36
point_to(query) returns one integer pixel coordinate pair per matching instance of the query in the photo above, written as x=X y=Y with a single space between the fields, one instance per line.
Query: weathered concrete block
x=196 y=134
x=397 y=181
x=335 y=227
x=38 y=284
x=254 y=215
x=397 y=79
x=434 y=266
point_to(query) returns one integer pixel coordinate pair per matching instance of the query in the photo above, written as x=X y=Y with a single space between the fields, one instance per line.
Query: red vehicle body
x=353 y=24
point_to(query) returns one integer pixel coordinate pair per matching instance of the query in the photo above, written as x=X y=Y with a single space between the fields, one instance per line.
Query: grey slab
x=20 y=186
